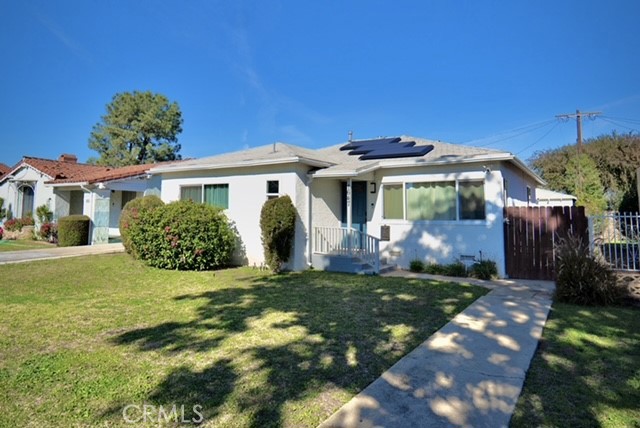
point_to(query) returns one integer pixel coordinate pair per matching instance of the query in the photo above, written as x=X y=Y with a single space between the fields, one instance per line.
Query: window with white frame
x=216 y=195
x=273 y=189
x=434 y=201
x=393 y=204
x=191 y=193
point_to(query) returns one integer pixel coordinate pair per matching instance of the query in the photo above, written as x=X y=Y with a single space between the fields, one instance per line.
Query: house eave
x=245 y=164
x=74 y=184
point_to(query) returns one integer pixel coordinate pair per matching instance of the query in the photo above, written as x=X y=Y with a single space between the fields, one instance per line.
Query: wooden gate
x=530 y=234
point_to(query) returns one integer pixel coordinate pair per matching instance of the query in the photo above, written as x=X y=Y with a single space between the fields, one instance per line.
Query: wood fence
x=530 y=234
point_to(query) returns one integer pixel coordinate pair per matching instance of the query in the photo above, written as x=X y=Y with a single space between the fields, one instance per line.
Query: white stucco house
x=364 y=203
x=69 y=187
x=551 y=198
x=25 y=186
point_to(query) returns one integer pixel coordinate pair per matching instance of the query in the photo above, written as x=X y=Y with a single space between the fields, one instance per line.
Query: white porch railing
x=616 y=236
x=342 y=241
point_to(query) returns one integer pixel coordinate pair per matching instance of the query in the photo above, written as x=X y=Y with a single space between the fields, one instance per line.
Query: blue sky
x=250 y=73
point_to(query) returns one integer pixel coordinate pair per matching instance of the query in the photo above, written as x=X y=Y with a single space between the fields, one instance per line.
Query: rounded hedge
x=73 y=230
x=129 y=218
x=182 y=235
x=278 y=226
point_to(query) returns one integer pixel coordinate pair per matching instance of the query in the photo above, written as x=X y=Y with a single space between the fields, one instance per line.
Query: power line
x=606 y=119
x=523 y=130
x=539 y=139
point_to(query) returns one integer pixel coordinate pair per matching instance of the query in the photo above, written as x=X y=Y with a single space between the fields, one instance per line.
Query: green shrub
x=456 y=269
x=73 y=230
x=485 y=269
x=416 y=266
x=129 y=218
x=182 y=235
x=278 y=224
x=452 y=269
x=582 y=278
x=44 y=214
x=435 y=269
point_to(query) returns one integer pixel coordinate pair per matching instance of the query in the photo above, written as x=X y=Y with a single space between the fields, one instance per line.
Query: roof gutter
x=246 y=164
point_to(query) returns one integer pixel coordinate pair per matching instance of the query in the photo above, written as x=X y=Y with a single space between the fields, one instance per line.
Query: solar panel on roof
x=385 y=148
x=391 y=153
x=366 y=149
x=366 y=143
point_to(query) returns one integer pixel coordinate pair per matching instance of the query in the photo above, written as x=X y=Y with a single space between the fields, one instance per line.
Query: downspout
x=309 y=221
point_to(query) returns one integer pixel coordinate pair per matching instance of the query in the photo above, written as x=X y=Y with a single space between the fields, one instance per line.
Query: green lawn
x=18 y=245
x=586 y=372
x=82 y=338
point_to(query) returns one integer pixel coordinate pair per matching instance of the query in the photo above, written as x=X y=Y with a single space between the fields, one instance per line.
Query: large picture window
x=434 y=201
x=217 y=195
x=431 y=201
x=392 y=202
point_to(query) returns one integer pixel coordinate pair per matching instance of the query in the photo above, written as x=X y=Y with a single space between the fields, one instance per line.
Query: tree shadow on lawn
x=586 y=363
x=295 y=336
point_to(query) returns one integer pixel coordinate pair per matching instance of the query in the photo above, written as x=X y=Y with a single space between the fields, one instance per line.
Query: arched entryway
x=26 y=201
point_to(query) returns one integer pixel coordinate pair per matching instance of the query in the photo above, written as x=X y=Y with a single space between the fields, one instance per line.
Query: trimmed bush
x=129 y=218
x=416 y=266
x=278 y=226
x=485 y=269
x=182 y=235
x=73 y=230
x=582 y=278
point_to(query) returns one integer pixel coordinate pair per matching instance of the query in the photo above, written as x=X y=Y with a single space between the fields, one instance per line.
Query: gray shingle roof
x=263 y=155
x=334 y=162
x=442 y=153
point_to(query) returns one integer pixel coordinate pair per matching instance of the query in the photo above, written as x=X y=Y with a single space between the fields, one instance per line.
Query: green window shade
x=191 y=193
x=392 y=201
x=471 y=200
x=431 y=201
x=217 y=195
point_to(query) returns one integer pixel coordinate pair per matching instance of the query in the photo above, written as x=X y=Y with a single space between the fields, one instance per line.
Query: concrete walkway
x=468 y=374
x=9 y=257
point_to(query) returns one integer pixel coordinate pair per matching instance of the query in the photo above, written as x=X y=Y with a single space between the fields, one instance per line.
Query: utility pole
x=578 y=115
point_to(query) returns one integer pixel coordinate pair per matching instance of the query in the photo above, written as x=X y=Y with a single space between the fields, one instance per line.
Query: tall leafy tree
x=616 y=157
x=138 y=128
x=584 y=183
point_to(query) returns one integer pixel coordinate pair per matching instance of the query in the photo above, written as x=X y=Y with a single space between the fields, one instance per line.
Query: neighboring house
x=103 y=194
x=390 y=199
x=24 y=187
x=4 y=169
x=68 y=187
x=550 y=198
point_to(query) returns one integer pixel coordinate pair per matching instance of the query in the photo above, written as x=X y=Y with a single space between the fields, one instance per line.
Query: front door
x=358 y=205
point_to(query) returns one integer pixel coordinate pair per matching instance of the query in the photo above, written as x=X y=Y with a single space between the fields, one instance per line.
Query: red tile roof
x=106 y=174
x=66 y=170
x=4 y=169
x=56 y=169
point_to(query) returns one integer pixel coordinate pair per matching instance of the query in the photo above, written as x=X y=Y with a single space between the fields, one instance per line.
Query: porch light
x=373 y=187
